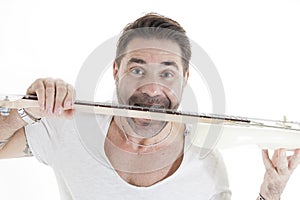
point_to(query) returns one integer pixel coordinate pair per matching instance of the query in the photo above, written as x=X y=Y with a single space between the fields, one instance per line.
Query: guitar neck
x=235 y=130
x=28 y=101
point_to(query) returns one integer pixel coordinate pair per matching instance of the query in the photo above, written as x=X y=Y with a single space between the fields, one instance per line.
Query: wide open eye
x=137 y=71
x=167 y=74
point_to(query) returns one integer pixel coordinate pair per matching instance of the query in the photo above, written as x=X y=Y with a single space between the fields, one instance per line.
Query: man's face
x=150 y=75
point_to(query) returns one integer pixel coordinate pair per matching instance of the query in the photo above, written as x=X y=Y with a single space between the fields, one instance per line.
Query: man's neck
x=126 y=156
x=165 y=136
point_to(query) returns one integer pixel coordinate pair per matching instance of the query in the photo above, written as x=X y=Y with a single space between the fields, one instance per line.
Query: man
x=135 y=158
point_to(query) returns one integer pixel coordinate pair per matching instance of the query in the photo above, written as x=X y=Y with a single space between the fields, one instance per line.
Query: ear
x=186 y=77
x=115 y=69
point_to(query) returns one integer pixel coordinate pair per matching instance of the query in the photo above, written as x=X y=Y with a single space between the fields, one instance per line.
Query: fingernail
x=49 y=110
x=68 y=104
x=59 y=110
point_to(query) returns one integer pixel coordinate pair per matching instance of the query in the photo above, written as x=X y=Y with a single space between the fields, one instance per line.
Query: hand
x=55 y=97
x=278 y=172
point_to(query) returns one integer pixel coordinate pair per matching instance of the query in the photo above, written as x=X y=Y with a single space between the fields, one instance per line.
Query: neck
x=167 y=135
x=126 y=156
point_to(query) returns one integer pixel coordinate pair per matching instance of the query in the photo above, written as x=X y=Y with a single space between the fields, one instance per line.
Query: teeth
x=149 y=106
x=157 y=107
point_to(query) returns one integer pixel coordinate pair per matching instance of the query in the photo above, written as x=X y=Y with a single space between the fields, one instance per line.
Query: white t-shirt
x=74 y=149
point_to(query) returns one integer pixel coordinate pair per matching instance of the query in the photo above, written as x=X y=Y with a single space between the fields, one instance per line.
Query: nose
x=152 y=90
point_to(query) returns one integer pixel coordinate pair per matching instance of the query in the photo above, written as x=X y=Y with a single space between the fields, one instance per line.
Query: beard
x=144 y=100
x=147 y=128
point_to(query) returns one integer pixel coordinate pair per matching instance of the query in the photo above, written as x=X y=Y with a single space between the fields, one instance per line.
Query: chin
x=146 y=127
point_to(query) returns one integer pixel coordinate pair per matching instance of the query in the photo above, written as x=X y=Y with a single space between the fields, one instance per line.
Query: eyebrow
x=141 y=61
x=136 y=60
x=170 y=63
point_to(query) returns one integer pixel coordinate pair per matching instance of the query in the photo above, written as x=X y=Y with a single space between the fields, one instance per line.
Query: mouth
x=142 y=121
x=143 y=101
x=150 y=106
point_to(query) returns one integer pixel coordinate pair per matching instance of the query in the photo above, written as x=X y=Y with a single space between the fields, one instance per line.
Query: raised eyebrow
x=170 y=63
x=136 y=60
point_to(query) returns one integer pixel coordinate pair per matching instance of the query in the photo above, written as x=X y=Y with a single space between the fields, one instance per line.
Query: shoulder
x=207 y=158
x=207 y=162
x=209 y=169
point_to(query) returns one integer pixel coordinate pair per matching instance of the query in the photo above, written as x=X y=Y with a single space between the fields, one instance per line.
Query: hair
x=155 y=26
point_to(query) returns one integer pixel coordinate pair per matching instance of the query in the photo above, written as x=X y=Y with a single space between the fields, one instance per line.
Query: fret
x=17 y=101
x=235 y=130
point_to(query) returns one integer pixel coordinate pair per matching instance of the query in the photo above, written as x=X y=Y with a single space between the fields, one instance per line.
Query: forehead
x=153 y=50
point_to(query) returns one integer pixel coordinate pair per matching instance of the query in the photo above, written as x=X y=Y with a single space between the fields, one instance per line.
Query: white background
x=254 y=44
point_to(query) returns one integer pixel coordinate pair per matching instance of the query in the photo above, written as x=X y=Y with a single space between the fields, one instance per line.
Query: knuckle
x=71 y=90
x=37 y=81
x=60 y=81
x=49 y=83
x=39 y=89
x=40 y=80
x=38 y=84
x=61 y=89
x=71 y=87
x=50 y=90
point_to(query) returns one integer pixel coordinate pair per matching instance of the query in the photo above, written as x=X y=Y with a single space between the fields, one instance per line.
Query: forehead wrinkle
x=154 y=51
x=142 y=57
x=166 y=45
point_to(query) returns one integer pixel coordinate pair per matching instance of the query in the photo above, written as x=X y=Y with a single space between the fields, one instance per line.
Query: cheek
x=173 y=98
x=175 y=88
x=125 y=88
x=174 y=95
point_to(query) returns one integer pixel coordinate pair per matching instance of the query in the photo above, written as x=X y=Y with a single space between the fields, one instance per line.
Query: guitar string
x=232 y=119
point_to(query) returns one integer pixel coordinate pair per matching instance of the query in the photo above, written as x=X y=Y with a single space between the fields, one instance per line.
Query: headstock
x=3 y=110
x=12 y=101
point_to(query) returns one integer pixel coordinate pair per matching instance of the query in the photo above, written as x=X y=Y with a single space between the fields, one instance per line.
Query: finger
x=282 y=162
x=266 y=159
x=60 y=94
x=294 y=160
x=30 y=90
x=275 y=157
x=50 y=94
x=38 y=89
x=70 y=97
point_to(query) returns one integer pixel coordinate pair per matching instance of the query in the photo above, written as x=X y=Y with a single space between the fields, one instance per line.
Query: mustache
x=145 y=100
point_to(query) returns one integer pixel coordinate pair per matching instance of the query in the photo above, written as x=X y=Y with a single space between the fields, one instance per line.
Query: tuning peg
x=5 y=111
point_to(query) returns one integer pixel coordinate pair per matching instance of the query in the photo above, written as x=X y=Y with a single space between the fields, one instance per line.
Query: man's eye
x=167 y=75
x=137 y=71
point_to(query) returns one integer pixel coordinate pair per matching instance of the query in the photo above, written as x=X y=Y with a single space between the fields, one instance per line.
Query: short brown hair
x=155 y=26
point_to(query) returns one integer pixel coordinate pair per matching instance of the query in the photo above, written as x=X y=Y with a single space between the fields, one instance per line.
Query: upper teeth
x=157 y=106
x=149 y=106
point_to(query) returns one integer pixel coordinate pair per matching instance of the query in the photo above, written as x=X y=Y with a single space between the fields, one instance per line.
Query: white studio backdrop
x=255 y=46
